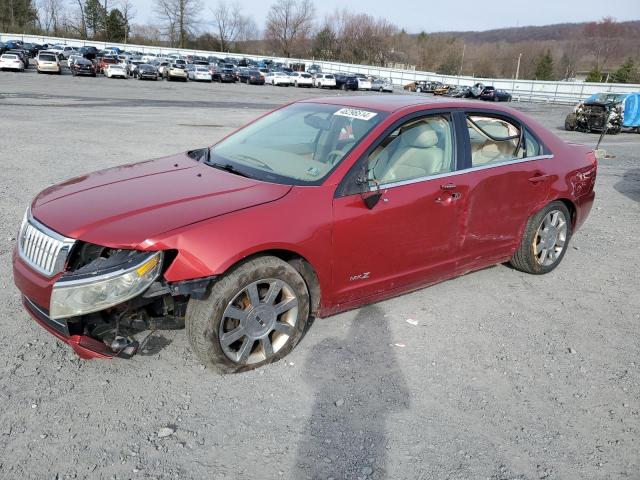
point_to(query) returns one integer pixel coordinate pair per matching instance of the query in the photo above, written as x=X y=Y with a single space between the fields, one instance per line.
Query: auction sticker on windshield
x=355 y=113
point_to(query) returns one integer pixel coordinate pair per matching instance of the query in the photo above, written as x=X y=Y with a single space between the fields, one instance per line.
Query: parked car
x=324 y=80
x=63 y=50
x=493 y=94
x=24 y=56
x=363 y=81
x=104 y=62
x=146 y=71
x=176 y=71
x=72 y=58
x=314 y=69
x=116 y=70
x=423 y=86
x=301 y=79
x=613 y=111
x=382 y=84
x=32 y=49
x=48 y=62
x=89 y=52
x=199 y=73
x=83 y=66
x=437 y=191
x=224 y=75
x=347 y=82
x=442 y=90
x=11 y=61
x=132 y=66
x=252 y=77
x=277 y=78
x=457 y=92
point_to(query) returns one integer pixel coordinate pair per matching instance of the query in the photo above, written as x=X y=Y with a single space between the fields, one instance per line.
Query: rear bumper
x=85 y=347
x=583 y=207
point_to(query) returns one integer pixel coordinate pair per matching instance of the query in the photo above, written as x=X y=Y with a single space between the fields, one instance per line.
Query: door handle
x=540 y=177
x=448 y=186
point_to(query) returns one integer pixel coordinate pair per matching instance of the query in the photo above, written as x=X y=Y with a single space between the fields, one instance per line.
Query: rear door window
x=495 y=140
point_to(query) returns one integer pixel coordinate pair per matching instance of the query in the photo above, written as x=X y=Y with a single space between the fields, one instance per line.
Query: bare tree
x=128 y=10
x=604 y=38
x=51 y=15
x=179 y=18
x=288 y=22
x=230 y=24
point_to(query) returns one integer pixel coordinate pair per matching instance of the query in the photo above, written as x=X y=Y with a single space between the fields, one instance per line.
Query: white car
x=64 y=51
x=324 y=80
x=200 y=73
x=9 y=61
x=363 y=82
x=115 y=70
x=277 y=78
x=301 y=79
x=148 y=57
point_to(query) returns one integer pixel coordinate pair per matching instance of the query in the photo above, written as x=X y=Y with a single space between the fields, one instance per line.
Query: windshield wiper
x=228 y=168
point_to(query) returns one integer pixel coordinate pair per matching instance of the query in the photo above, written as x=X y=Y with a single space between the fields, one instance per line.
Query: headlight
x=71 y=297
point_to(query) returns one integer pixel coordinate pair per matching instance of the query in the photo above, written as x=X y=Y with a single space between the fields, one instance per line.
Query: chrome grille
x=43 y=249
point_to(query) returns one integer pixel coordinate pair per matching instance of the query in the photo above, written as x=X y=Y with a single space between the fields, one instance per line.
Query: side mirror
x=369 y=197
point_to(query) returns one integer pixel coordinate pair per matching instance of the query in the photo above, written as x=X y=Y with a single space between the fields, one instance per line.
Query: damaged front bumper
x=85 y=346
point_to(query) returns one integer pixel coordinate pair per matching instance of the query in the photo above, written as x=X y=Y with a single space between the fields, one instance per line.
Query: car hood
x=122 y=207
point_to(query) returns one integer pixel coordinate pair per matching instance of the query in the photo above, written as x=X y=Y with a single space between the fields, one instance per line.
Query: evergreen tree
x=627 y=73
x=544 y=67
x=116 y=26
x=96 y=18
x=595 y=75
x=17 y=15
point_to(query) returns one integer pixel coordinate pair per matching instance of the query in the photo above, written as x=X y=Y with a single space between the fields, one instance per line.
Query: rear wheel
x=544 y=241
x=418 y=90
x=254 y=315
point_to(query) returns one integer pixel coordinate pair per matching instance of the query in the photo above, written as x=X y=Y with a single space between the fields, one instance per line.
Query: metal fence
x=522 y=90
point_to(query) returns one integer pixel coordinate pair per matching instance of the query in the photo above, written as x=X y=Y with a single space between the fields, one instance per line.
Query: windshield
x=47 y=58
x=607 y=97
x=296 y=145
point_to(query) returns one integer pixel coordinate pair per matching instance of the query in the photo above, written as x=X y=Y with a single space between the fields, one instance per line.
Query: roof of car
x=391 y=103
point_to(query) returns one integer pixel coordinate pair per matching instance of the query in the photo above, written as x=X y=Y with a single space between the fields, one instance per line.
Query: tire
x=418 y=90
x=570 y=122
x=527 y=258
x=206 y=323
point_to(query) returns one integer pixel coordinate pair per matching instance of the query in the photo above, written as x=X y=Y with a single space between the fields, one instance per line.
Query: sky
x=454 y=15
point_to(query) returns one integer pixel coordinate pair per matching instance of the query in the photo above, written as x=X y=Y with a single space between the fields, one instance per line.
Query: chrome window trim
x=459 y=172
x=62 y=255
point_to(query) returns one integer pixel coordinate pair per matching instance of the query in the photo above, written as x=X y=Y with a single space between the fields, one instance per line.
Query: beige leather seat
x=417 y=155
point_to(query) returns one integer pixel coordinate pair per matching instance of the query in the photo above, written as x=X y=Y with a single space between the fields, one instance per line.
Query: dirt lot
x=504 y=376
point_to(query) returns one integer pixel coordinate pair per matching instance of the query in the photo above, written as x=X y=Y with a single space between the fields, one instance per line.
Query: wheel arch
x=302 y=266
x=572 y=210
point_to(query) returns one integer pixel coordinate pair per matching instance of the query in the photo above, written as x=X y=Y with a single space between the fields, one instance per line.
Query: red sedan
x=318 y=207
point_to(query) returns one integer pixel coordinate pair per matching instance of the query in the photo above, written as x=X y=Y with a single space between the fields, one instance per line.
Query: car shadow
x=629 y=186
x=358 y=383
x=154 y=344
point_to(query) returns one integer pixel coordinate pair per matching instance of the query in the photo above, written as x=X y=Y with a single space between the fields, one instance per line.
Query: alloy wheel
x=550 y=238
x=259 y=321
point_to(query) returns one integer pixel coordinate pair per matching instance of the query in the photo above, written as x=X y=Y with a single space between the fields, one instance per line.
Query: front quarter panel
x=298 y=223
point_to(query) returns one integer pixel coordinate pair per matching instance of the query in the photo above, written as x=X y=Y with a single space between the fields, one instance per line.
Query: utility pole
x=518 y=67
x=464 y=47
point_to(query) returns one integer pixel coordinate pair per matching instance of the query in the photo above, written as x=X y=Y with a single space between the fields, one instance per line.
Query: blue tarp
x=632 y=111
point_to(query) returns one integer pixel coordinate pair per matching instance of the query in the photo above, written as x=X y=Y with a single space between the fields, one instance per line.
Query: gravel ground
x=495 y=375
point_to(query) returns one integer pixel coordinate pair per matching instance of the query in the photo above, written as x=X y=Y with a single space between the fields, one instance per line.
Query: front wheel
x=254 y=315
x=544 y=241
